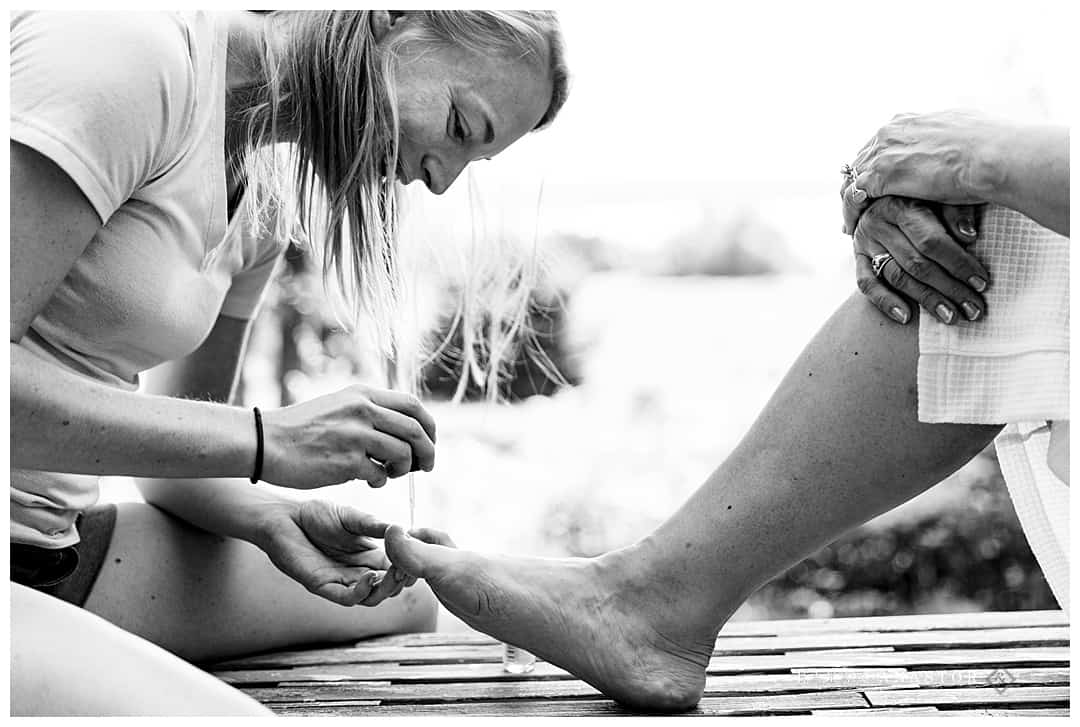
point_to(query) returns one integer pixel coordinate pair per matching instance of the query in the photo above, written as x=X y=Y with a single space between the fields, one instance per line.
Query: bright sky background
x=783 y=90
x=676 y=108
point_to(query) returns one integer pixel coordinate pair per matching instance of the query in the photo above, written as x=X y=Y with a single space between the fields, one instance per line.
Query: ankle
x=651 y=568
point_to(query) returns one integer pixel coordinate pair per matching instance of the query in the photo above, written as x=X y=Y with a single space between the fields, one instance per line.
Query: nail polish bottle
x=517 y=660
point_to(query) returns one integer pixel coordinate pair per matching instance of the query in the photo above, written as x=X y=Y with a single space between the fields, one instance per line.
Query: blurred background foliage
x=957 y=547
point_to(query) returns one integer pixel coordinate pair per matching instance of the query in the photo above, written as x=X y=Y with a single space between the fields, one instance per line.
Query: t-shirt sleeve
x=249 y=286
x=104 y=96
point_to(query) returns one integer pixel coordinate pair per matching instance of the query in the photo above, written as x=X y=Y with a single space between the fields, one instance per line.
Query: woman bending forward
x=148 y=214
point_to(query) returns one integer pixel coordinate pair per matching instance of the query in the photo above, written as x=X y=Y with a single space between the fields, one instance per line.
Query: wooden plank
x=905 y=679
x=1046 y=635
x=1018 y=712
x=441 y=692
x=798 y=661
x=322 y=710
x=968 y=695
x=913 y=622
x=930 y=658
x=407 y=673
x=876 y=712
x=1015 y=676
x=392 y=672
x=709 y=706
x=492 y=653
x=459 y=692
x=760 y=684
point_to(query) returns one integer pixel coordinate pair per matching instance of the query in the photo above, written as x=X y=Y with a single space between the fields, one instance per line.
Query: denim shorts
x=67 y=573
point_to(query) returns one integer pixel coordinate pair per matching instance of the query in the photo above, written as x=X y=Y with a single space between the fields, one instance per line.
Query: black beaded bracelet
x=257 y=472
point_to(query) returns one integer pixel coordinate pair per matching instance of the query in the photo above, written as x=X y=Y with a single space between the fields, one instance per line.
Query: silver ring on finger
x=848 y=170
x=878 y=263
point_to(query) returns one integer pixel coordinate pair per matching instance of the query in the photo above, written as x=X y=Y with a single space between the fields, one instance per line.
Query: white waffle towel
x=1012 y=368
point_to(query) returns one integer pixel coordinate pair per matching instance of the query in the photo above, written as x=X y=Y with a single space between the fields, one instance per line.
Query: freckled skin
x=514 y=94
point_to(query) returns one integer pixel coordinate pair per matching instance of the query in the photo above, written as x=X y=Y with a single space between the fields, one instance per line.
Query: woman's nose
x=441 y=174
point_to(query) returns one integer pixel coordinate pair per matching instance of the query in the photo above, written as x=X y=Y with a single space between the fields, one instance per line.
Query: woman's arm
x=960 y=157
x=1030 y=174
x=327 y=548
x=64 y=422
x=230 y=507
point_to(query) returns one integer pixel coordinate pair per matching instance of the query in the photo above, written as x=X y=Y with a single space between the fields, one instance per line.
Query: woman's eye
x=459 y=131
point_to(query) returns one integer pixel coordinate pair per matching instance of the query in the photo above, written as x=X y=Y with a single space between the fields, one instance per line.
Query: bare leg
x=838 y=443
x=205 y=597
x=65 y=661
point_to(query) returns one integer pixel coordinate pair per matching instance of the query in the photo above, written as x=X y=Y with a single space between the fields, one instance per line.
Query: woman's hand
x=929 y=265
x=332 y=551
x=944 y=156
x=355 y=433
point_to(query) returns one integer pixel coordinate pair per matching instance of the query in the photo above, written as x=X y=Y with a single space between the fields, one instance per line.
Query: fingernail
x=898 y=314
x=944 y=313
x=970 y=310
x=967 y=226
x=977 y=283
x=859 y=196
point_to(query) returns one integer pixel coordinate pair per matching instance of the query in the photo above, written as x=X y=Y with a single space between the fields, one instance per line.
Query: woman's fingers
x=393 y=454
x=909 y=272
x=383 y=587
x=914 y=236
x=855 y=196
x=855 y=203
x=360 y=523
x=346 y=591
x=950 y=250
x=925 y=251
x=960 y=221
x=926 y=296
x=408 y=405
x=884 y=299
x=409 y=430
x=374 y=473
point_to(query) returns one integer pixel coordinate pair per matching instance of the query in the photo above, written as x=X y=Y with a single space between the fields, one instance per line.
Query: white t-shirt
x=132 y=107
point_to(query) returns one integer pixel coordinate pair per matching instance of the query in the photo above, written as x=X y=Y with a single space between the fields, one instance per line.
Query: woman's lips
x=404 y=177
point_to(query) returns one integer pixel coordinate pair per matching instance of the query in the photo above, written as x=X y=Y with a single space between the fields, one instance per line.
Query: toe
x=415 y=557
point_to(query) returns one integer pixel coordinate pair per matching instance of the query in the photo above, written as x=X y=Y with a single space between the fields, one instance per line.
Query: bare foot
x=606 y=620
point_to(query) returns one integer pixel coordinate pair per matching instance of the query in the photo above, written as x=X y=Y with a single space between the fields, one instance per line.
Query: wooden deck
x=955 y=664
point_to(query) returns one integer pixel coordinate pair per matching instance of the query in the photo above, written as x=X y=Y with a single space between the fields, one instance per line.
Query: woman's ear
x=383 y=21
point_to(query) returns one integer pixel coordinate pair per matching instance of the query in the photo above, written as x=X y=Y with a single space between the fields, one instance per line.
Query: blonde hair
x=330 y=92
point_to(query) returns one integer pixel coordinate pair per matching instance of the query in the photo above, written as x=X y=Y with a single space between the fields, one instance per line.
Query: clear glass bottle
x=516 y=660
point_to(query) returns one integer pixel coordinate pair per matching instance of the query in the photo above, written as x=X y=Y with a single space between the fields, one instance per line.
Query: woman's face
x=455 y=107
